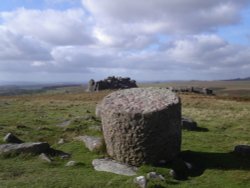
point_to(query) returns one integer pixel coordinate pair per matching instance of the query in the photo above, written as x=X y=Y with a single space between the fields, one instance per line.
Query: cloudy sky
x=75 y=40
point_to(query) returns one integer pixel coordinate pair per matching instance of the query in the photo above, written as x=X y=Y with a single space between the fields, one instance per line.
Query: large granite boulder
x=141 y=125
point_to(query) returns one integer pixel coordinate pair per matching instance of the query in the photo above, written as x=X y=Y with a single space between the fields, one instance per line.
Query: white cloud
x=68 y=27
x=179 y=16
x=125 y=38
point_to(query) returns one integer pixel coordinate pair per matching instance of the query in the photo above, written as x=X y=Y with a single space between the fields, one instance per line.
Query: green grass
x=35 y=118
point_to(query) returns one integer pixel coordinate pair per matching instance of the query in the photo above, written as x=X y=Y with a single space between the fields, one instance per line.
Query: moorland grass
x=223 y=123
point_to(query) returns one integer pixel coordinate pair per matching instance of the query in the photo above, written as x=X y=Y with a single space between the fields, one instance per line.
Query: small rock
x=45 y=157
x=91 y=142
x=11 y=138
x=71 y=163
x=33 y=148
x=108 y=165
x=141 y=181
x=61 y=141
x=243 y=150
x=155 y=175
x=188 y=124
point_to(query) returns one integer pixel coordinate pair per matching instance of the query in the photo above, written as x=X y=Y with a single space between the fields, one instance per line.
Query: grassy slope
x=226 y=120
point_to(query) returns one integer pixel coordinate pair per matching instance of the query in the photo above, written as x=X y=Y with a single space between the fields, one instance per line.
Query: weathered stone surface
x=91 y=142
x=243 y=150
x=155 y=175
x=188 y=124
x=33 y=148
x=108 y=165
x=141 y=125
x=11 y=138
x=141 y=181
x=45 y=158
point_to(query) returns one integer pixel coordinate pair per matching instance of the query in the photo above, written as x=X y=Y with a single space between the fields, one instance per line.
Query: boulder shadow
x=198 y=129
x=209 y=160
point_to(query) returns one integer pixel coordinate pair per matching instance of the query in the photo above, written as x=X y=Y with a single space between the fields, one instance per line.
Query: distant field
x=34 y=116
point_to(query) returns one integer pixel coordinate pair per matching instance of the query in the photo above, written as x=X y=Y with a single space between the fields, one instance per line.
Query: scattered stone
x=61 y=141
x=71 y=163
x=155 y=175
x=108 y=165
x=58 y=153
x=141 y=125
x=33 y=148
x=64 y=124
x=204 y=91
x=45 y=157
x=188 y=124
x=243 y=150
x=141 y=181
x=93 y=143
x=11 y=138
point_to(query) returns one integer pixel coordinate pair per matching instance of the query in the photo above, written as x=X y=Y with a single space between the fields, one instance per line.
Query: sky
x=147 y=40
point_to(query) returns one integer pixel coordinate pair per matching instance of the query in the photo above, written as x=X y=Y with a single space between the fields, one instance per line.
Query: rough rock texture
x=243 y=150
x=108 y=165
x=33 y=148
x=11 y=138
x=188 y=124
x=91 y=142
x=141 y=125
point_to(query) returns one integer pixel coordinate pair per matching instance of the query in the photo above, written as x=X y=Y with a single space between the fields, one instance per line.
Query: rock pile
x=111 y=83
x=204 y=91
x=141 y=125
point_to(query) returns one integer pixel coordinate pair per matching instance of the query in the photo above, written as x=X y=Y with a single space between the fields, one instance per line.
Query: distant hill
x=240 y=79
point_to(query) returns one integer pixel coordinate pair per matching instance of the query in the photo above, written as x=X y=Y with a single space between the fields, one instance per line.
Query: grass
x=35 y=118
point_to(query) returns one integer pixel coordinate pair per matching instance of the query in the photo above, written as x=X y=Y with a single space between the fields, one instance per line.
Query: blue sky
x=75 y=40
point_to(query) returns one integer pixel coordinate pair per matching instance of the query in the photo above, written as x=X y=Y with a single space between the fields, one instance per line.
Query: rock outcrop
x=111 y=83
x=141 y=125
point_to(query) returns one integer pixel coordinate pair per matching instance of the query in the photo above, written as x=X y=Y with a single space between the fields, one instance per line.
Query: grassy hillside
x=36 y=118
